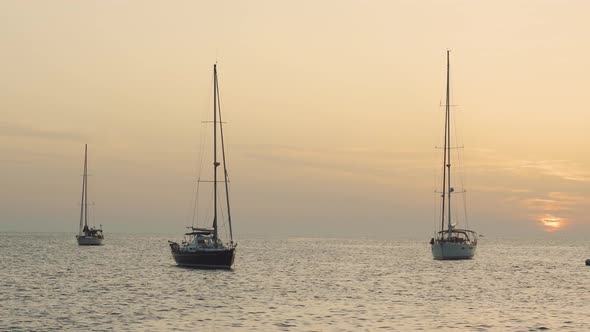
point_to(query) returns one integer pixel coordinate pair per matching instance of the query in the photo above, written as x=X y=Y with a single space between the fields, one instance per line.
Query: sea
x=49 y=283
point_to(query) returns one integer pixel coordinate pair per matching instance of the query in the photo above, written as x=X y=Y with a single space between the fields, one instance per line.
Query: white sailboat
x=87 y=236
x=450 y=242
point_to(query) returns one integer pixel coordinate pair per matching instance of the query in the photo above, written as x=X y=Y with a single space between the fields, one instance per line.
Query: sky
x=332 y=108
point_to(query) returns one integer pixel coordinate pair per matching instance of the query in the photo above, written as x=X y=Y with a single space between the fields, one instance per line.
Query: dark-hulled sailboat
x=202 y=247
x=87 y=236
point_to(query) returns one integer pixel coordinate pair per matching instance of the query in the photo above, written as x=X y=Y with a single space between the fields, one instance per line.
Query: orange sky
x=332 y=108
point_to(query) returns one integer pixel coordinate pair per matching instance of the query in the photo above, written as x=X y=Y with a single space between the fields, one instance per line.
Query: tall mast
x=215 y=162
x=448 y=143
x=86 y=185
x=444 y=180
x=83 y=193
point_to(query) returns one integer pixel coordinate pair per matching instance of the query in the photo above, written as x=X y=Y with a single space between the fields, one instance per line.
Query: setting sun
x=551 y=223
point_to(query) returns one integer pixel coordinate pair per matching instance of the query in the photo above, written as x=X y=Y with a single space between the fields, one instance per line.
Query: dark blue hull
x=212 y=259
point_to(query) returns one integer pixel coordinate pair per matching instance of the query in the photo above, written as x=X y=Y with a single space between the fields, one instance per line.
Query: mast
x=446 y=185
x=225 y=175
x=86 y=186
x=444 y=180
x=448 y=143
x=215 y=162
x=83 y=193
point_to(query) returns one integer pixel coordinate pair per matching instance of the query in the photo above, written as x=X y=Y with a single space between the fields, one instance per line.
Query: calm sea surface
x=48 y=283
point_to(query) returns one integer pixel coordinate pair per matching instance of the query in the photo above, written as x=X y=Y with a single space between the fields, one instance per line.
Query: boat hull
x=449 y=251
x=89 y=241
x=212 y=259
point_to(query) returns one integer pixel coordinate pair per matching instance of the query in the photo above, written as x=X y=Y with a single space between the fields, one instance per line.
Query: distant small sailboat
x=87 y=236
x=450 y=242
x=202 y=247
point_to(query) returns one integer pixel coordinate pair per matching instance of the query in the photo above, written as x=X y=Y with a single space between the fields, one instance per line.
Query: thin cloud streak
x=555 y=210
x=565 y=169
x=487 y=161
x=349 y=161
x=18 y=130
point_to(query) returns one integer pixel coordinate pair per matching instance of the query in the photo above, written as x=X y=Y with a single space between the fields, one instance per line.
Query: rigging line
x=197 y=176
x=461 y=163
x=223 y=151
x=204 y=141
x=192 y=207
x=219 y=198
x=93 y=215
x=82 y=198
x=464 y=196
x=434 y=212
x=208 y=209
x=460 y=173
x=224 y=220
x=204 y=138
x=204 y=153
x=204 y=128
x=455 y=212
x=194 y=192
x=200 y=158
x=435 y=204
x=464 y=179
x=215 y=161
x=201 y=161
x=195 y=199
x=198 y=168
x=225 y=174
x=465 y=211
x=444 y=174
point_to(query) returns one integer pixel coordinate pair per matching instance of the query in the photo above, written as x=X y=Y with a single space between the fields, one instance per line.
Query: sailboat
x=87 y=236
x=202 y=247
x=450 y=242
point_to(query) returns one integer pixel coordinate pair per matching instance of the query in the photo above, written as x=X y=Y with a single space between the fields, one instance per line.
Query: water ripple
x=48 y=283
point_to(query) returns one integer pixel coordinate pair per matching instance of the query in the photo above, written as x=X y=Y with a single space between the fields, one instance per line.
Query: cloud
x=486 y=161
x=555 y=210
x=350 y=161
x=500 y=189
x=565 y=169
x=18 y=130
x=521 y=182
x=555 y=201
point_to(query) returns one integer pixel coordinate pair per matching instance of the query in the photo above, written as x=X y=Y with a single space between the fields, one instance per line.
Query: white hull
x=89 y=241
x=449 y=250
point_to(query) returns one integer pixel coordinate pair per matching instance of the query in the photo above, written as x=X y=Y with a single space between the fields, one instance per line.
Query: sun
x=551 y=223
